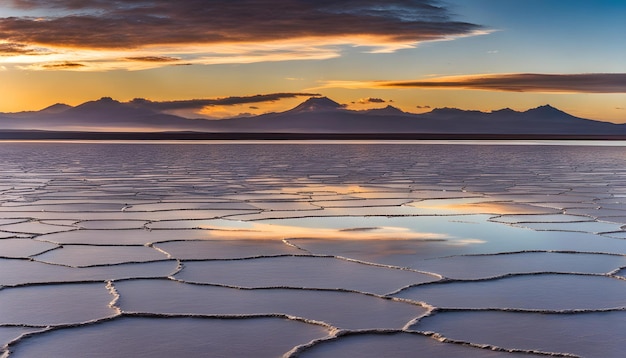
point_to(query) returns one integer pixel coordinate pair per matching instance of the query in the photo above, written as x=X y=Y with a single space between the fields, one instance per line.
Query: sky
x=270 y=55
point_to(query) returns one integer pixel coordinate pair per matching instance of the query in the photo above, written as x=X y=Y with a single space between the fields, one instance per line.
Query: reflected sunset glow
x=262 y=231
x=474 y=206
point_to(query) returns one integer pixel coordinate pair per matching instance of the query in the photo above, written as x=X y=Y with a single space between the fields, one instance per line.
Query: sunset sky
x=412 y=54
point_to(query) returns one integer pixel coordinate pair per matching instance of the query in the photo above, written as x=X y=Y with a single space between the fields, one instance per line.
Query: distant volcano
x=316 y=104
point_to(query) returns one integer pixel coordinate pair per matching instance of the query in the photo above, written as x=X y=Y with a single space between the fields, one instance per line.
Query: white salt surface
x=592 y=334
x=551 y=292
x=36 y=228
x=402 y=344
x=473 y=250
x=591 y=227
x=302 y=272
x=339 y=309
x=173 y=337
x=22 y=272
x=122 y=237
x=23 y=247
x=43 y=305
x=85 y=255
x=487 y=266
x=226 y=249
x=11 y=333
x=548 y=219
x=112 y=224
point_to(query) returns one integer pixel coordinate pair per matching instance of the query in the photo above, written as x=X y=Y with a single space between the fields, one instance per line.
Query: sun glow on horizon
x=484 y=56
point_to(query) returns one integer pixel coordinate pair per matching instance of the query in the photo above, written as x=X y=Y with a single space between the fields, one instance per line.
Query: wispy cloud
x=516 y=82
x=166 y=28
x=371 y=100
x=153 y=59
x=63 y=65
x=17 y=49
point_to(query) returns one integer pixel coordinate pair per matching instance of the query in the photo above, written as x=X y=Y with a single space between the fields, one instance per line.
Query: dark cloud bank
x=136 y=23
x=226 y=101
x=153 y=59
x=529 y=82
x=63 y=65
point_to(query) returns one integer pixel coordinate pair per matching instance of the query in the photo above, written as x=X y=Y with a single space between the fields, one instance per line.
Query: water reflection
x=280 y=229
x=476 y=206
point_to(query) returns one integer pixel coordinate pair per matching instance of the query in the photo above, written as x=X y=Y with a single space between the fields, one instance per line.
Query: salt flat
x=320 y=249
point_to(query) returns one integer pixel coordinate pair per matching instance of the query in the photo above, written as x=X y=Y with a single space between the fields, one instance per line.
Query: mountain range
x=316 y=115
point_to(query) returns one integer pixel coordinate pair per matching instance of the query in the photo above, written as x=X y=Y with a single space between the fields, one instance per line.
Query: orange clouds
x=158 y=32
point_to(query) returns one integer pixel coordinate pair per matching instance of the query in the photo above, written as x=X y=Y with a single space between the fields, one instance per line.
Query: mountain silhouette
x=106 y=108
x=315 y=115
x=387 y=111
x=56 y=108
